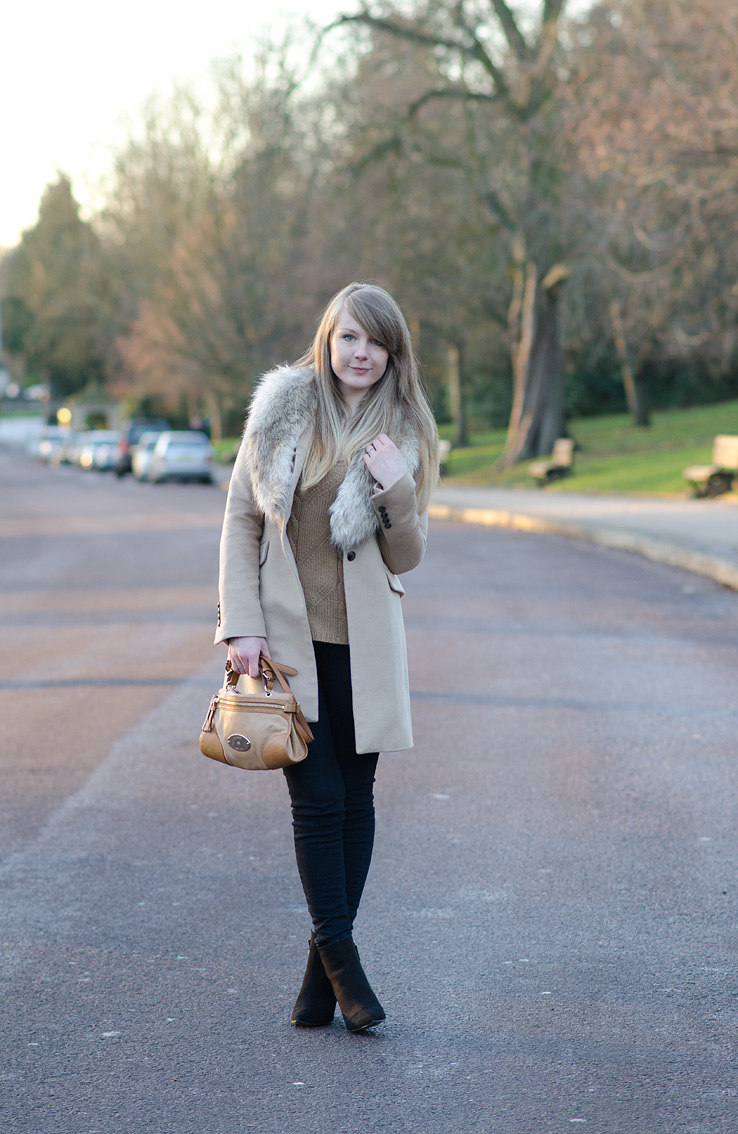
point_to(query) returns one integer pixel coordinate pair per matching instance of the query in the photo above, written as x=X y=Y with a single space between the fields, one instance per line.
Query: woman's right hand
x=244 y=653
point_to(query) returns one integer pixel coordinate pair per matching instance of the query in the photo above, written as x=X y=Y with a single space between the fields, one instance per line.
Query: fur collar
x=282 y=408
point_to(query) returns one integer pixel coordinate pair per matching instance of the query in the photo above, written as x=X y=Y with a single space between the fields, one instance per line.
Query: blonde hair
x=389 y=406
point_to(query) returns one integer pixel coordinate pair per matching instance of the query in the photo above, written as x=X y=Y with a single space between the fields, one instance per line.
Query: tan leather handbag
x=256 y=722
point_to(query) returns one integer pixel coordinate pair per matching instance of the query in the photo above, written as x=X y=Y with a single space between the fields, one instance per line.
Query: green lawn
x=226 y=449
x=612 y=455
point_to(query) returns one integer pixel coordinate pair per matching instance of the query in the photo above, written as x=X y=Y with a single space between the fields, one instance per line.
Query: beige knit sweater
x=319 y=563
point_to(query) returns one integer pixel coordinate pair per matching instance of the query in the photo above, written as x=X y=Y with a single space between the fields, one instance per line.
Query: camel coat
x=379 y=533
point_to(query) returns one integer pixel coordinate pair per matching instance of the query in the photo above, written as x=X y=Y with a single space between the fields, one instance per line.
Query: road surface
x=550 y=920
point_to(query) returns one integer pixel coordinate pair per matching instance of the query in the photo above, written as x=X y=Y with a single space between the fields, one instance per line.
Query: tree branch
x=494 y=203
x=449 y=92
x=473 y=50
x=518 y=44
x=403 y=31
x=552 y=9
x=392 y=144
x=631 y=276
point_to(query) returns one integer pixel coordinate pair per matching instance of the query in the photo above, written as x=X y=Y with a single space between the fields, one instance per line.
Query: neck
x=352 y=398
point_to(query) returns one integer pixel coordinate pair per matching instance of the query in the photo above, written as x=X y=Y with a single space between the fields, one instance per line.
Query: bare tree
x=653 y=103
x=218 y=300
x=502 y=74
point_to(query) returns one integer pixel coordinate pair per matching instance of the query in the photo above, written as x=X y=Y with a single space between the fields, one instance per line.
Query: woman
x=327 y=504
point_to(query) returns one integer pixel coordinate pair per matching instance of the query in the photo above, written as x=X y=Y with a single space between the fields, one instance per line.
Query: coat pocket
x=263 y=552
x=394 y=583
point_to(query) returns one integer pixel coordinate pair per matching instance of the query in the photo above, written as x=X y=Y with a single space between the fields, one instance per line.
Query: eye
x=376 y=342
x=347 y=337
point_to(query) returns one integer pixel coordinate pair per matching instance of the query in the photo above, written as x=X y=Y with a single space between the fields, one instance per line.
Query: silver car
x=90 y=443
x=51 y=444
x=142 y=454
x=182 y=455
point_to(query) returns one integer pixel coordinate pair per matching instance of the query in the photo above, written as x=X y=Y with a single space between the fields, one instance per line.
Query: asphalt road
x=550 y=920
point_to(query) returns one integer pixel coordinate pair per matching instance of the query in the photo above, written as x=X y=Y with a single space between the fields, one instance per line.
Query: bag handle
x=268 y=669
x=277 y=670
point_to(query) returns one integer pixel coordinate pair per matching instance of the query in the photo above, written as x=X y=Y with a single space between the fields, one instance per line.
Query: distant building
x=94 y=409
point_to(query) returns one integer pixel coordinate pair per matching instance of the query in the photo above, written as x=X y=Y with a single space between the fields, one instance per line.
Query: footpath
x=696 y=535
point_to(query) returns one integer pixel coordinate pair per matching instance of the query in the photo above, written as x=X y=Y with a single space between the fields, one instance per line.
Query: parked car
x=91 y=442
x=142 y=454
x=106 y=454
x=69 y=452
x=131 y=436
x=51 y=443
x=182 y=455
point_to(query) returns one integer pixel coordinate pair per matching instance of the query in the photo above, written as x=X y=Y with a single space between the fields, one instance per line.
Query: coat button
x=351 y=556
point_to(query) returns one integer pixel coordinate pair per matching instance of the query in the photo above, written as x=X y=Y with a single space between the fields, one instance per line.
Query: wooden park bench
x=559 y=464
x=711 y=480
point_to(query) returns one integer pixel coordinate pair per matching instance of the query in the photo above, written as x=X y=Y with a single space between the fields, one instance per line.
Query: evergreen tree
x=55 y=294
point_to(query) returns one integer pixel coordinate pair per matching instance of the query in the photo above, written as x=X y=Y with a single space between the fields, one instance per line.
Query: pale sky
x=73 y=71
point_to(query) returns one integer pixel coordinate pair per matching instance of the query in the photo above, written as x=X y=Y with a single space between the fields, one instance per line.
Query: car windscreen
x=135 y=432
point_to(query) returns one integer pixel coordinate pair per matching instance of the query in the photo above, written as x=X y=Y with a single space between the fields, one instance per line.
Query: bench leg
x=719 y=483
x=557 y=474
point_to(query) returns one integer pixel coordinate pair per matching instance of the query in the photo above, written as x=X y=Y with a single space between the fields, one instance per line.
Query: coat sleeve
x=239 y=611
x=403 y=531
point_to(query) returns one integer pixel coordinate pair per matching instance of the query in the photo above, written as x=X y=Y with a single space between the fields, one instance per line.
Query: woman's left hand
x=385 y=461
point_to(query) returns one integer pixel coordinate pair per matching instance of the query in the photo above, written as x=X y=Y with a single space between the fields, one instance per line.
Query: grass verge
x=612 y=455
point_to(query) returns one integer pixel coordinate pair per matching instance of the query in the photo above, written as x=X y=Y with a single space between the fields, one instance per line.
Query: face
x=358 y=360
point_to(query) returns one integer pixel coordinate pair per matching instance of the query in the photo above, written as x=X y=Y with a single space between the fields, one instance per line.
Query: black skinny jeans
x=333 y=804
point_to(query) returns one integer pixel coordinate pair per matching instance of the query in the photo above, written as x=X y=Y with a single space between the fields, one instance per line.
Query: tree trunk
x=521 y=321
x=456 y=397
x=635 y=395
x=216 y=418
x=537 y=416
